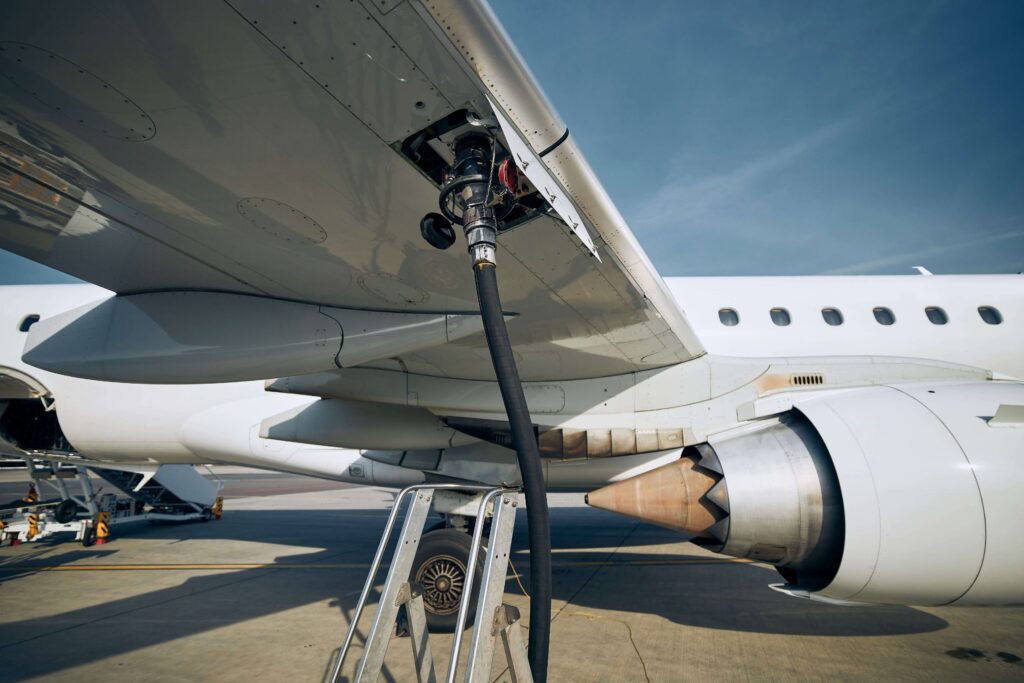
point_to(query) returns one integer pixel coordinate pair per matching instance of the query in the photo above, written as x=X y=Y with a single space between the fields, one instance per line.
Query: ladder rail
x=492 y=589
x=379 y=556
x=368 y=586
x=379 y=635
x=474 y=553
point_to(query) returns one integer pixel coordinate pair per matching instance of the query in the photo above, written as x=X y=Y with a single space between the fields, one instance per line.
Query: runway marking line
x=343 y=565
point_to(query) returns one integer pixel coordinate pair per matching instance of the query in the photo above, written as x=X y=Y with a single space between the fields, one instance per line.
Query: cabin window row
x=883 y=316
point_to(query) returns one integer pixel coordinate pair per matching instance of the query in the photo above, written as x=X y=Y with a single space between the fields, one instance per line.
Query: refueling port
x=433 y=150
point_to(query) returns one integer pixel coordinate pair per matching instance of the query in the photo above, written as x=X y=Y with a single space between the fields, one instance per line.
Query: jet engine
x=891 y=494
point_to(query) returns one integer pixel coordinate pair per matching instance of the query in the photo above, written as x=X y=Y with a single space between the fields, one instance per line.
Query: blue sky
x=789 y=138
x=796 y=138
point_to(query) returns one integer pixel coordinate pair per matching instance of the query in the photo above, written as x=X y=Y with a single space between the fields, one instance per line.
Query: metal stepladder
x=493 y=618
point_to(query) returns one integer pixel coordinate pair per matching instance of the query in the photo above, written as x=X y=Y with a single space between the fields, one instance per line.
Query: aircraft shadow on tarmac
x=729 y=595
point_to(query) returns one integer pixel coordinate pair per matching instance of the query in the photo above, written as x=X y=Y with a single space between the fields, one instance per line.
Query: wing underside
x=256 y=148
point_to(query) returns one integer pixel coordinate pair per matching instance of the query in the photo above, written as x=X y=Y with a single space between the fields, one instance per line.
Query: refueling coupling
x=469 y=189
x=466 y=200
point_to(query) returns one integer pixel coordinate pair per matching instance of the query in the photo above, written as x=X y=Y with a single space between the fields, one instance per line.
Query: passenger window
x=729 y=317
x=884 y=316
x=990 y=314
x=28 y=322
x=936 y=315
x=832 y=316
x=780 y=316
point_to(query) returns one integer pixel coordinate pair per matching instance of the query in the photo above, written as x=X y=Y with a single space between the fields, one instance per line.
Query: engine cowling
x=903 y=494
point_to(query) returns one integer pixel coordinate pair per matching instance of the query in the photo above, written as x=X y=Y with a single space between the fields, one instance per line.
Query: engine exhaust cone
x=672 y=496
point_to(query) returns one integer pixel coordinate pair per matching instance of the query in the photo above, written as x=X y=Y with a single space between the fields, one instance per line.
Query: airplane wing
x=277 y=149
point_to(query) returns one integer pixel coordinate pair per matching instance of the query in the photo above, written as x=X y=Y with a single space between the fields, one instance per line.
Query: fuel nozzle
x=466 y=195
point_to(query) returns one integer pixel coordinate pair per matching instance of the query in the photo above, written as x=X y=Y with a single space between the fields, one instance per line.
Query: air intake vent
x=806 y=380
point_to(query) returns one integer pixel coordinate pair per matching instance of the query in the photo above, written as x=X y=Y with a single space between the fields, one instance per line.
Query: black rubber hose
x=525 y=441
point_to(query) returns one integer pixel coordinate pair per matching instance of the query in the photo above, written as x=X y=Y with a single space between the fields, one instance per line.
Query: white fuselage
x=220 y=422
x=965 y=339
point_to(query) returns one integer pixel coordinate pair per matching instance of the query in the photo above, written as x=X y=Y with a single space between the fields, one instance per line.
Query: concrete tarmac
x=264 y=594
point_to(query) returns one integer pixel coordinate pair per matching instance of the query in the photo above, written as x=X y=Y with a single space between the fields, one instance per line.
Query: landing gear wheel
x=440 y=567
x=89 y=537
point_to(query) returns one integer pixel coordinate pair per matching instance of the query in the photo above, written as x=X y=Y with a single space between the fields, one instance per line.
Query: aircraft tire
x=440 y=567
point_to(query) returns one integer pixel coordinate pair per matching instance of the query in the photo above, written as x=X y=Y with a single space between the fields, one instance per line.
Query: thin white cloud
x=683 y=199
x=915 y=257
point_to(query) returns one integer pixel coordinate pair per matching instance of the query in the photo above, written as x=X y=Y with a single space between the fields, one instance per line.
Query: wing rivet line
x=76 y=94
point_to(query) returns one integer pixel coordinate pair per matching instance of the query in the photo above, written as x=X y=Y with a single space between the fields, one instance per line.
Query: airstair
x=171 y=489
x=493 y=618
x=176 y=493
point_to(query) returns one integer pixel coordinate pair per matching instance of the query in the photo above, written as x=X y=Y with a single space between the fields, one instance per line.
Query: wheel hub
x=443 y=579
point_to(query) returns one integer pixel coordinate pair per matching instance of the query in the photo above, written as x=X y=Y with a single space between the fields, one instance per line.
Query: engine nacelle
x=931 y=492
x=905 y=494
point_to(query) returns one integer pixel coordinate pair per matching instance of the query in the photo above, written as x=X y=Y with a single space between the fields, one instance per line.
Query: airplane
x=263 y=196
